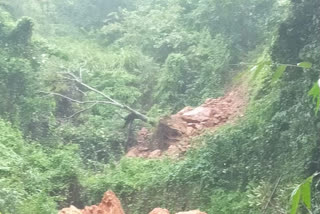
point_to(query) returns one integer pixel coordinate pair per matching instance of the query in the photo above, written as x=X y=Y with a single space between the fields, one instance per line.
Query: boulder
x=192 y=212
x=133 y=152
x=70 y=210
x=185 y=109
x=159 y=211
x=110 y=204
x=198 y=115
x=155 y=154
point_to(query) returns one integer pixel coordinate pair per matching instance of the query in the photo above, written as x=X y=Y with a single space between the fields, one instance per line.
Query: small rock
x=192 y=212
x=185 y=109
x=132 y=153
x=159 y=211
x=155 y=154
x=70 y=210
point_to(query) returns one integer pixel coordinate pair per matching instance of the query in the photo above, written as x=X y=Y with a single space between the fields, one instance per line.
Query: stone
x=198 y=115
x=70 y=210
x=159 y=211
x=110 y=204
x=133 y=152
x=155 y=154
x=185 y=109
x=192 y=212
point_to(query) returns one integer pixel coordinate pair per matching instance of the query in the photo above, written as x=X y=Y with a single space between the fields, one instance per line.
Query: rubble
x=173 y=134
x=110 y=204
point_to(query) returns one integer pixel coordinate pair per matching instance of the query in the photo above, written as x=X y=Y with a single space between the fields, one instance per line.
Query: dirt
x=159 y=211
x=173 y=134
x=110 y=204
x=165 y=211
x=192 y=212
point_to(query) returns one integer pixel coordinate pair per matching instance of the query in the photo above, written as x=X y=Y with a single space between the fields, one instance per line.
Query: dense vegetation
x=156 y=56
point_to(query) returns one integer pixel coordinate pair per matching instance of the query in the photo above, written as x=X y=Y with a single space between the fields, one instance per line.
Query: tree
x=107 y=100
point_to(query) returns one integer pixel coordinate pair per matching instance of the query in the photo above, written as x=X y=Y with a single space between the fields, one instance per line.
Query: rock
x=188 y=122
x=190 y=131
x=198 y=115
x=193 y=125
x=173 y=151
x=192 y=212
x=159 y=211
x=142 y=148
x=155 y=154
x=70 y=210
x=110 y=204
x=199 y=126
x=185 y=109
x=132 y=153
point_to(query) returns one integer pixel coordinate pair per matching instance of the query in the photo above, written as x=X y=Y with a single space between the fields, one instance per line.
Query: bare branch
x=76 y=79
x=78 y=101
x=113 y=102
x=108 y=100
x=83 y=110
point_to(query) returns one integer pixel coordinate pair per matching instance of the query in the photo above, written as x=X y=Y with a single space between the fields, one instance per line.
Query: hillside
x=173 y=135
x=181 y=104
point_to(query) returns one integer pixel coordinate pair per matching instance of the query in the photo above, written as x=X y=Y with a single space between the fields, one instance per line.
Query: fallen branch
x=108 y=100
x=273 y=192
x=83 y=110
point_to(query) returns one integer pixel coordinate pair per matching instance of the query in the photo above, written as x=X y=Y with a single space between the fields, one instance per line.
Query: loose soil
x=173 y=134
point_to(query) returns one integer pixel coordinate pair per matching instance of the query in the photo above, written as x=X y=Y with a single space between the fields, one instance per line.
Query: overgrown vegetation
x=156 y=56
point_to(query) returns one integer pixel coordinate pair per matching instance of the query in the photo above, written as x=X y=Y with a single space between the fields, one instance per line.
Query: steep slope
x=174 y=134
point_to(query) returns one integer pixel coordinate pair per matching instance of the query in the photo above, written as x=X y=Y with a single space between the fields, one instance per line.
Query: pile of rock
x=173 y=133
x=165 y=211
x=110 y=204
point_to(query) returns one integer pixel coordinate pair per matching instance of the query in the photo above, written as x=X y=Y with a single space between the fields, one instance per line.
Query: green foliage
x=302 y=194
x=279 y=72
x=315 y=94
x=156 y=56
x=22 y=33
x=305 y=65
x=230 y=202
x=262 y=146
x=38 y=204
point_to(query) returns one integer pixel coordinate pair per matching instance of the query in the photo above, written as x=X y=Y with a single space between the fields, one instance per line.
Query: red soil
x=173 y=134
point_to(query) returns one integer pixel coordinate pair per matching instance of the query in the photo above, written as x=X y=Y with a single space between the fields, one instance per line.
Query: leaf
x=305 y=65
x=315 y=94
x=306 y=192
x=257 y=68
x=302 y=193
x=279 y=72
x=295 y=199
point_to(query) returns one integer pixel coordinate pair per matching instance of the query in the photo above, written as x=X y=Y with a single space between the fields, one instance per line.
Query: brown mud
x=173 y=134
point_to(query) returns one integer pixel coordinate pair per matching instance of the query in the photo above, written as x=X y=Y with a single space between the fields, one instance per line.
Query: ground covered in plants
x=86 y=83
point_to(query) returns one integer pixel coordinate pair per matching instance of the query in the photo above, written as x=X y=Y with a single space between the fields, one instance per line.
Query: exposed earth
x=173 y=134
x=110 y=204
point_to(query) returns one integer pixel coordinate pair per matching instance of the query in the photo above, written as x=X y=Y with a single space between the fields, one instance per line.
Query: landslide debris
x=110 y=204
x=165 y=211
x=159 y=211
x=192 y=212
x=172 y=135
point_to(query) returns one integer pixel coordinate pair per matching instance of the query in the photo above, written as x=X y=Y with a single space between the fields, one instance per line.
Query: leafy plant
x=302 y=195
